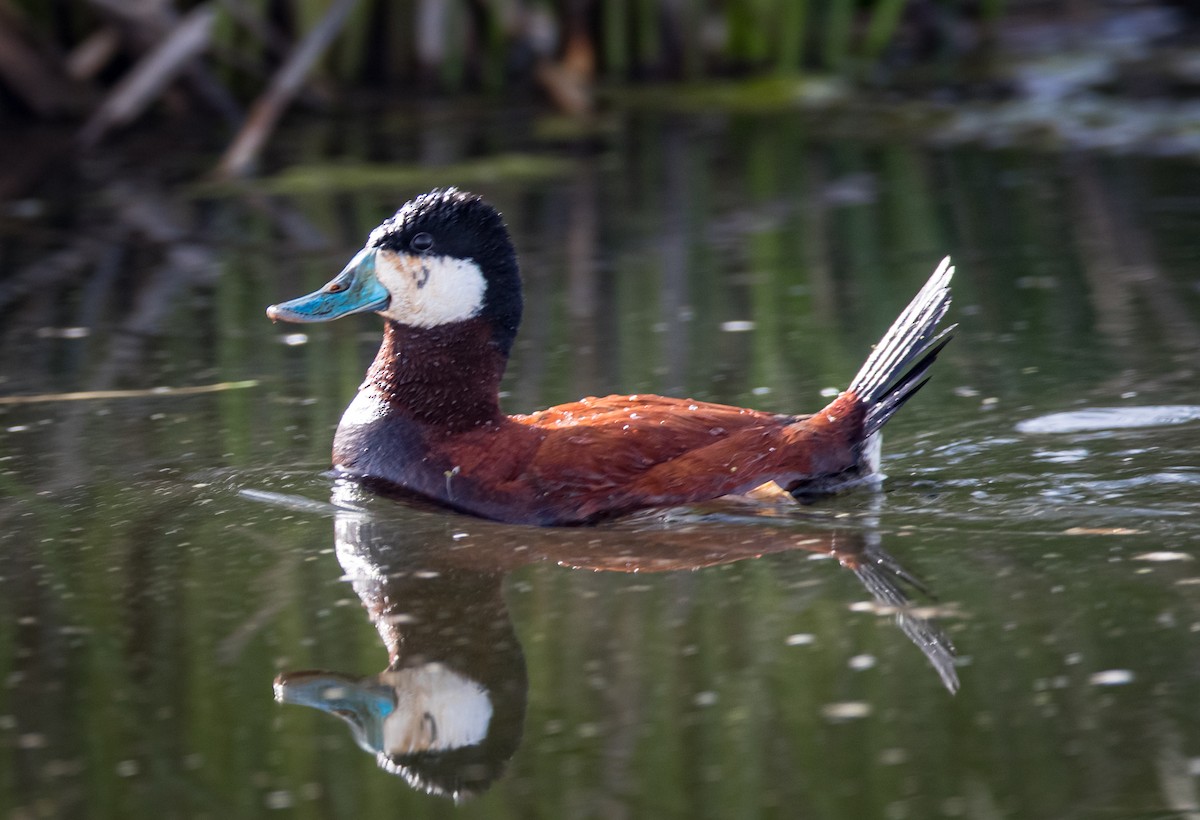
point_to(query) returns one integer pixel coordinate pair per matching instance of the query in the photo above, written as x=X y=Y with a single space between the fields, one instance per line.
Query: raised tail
x=897 y=367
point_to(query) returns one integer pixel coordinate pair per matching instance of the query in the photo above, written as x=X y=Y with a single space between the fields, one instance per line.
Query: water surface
x=166 y=558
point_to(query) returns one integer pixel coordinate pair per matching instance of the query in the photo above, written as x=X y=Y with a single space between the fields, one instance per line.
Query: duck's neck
x=447 y=376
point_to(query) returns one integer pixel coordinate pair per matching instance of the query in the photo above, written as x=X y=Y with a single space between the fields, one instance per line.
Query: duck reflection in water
x=448 y=711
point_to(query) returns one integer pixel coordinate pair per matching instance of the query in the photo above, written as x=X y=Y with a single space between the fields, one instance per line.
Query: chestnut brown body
x=419 y=425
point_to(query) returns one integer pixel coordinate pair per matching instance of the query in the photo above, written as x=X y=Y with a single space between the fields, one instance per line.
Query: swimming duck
x=443 y=274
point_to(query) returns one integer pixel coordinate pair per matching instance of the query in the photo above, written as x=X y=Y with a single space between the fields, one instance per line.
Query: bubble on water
x=860 y=663
x=280 y=799
x=737 y=326
x=63 y=332
x=1112 y=677
x=1072 y=456
x=800 y=639
x=1110 y=418
x=1163 y=555
x=846 y=710
x=1101 y=531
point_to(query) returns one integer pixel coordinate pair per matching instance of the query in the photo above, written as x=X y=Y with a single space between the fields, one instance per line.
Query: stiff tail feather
x=897 y=367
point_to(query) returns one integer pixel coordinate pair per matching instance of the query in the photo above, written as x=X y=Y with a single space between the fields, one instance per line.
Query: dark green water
x=163 y=558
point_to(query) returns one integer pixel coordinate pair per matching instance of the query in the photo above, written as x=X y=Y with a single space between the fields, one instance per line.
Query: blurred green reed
x=457 y=44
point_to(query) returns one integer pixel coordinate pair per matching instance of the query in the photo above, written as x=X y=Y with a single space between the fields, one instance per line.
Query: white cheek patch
x=428 y=291
x=437 y=709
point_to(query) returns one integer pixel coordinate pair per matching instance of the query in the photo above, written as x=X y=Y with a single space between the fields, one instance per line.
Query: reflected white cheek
x=436 y=709
x=428 y=291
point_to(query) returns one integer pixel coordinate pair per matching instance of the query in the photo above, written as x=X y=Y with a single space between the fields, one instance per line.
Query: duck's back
x=617 y=454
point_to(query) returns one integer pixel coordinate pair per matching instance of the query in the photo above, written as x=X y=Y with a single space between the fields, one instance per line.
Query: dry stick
x=286 y=83
x=147 y=24
x=151 y=392
x=274 y=47
x=90 y=57
x=275 y=44
x=155 y=71
x=30 y=77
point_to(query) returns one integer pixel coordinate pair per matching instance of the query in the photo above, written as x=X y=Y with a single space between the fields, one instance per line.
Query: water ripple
x=1110 y=418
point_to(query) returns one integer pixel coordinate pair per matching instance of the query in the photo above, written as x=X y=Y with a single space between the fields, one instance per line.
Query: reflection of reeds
x=121 y=604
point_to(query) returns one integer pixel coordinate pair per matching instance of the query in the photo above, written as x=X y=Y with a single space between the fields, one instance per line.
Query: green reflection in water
x=144 y=616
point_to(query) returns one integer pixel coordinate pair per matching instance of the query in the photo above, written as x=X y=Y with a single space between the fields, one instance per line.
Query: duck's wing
x=678 y=416
x=611 y=455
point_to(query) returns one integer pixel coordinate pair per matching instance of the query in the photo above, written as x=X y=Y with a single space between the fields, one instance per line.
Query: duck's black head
x=444 y=257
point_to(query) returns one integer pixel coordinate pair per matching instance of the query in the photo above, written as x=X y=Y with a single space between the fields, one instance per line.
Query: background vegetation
x=108 y=62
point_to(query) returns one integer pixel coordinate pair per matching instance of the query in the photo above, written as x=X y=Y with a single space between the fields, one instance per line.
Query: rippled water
x=196 y=622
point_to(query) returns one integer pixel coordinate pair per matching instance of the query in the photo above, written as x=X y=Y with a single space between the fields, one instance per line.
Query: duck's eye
x=421 y=242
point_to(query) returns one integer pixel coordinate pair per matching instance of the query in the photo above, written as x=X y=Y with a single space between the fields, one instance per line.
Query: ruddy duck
x=442 y=272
